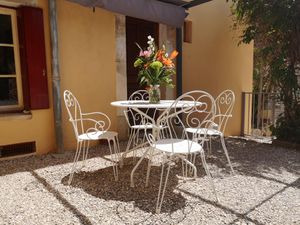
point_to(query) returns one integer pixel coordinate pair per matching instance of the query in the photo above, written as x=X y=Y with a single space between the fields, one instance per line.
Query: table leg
x=137 y=165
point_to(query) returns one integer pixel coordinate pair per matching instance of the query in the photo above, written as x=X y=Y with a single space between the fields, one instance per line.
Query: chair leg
x=185 y=168
x=192 y=166
x=208 y=174
x=135 y=143
x=130 y=139
x=144 y=136
x=131 y=135
x=192 y=161
x=183 y=171
x=136 y=137
x=162 y=190
x=226 y=152
x=149 y=166
x=76 y=158
x=116 y=156
x=164 y=133
x=85 y=152
x=118 y=148
x=210 y=150
x=115 y=169
x=136 y=166
x=193 y=158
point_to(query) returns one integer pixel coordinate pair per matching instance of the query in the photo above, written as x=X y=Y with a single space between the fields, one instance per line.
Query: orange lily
x=159 y=55
x=173 y=54
x=168 y=62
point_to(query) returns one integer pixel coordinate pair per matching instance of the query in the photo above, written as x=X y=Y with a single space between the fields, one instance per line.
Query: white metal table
x=138 y=106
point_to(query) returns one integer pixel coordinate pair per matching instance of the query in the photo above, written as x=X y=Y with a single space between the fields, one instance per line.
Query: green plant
x=275 y=26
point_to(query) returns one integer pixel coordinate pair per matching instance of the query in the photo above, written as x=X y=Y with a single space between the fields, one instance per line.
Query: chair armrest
x=94 y=113
x=96 y=120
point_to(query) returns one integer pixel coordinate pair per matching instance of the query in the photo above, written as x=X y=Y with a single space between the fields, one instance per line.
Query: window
x=23 y=73
x=11 y=98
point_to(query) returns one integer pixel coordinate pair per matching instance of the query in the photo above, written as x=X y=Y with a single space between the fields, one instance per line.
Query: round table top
x=163 y=104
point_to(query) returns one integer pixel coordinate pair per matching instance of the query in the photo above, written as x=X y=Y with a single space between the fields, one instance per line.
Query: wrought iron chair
x=197 y=113
x=135 y=121
x=224 y=106
x=139 y=124
x=90 y=127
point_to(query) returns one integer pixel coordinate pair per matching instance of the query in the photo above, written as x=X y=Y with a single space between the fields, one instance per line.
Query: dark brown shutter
x=33 y=57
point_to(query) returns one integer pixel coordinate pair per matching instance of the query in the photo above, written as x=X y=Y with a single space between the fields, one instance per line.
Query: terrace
x=34 y=189
x=264 y=190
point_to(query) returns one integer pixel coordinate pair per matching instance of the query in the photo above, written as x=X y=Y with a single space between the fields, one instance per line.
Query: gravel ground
x=264 y=190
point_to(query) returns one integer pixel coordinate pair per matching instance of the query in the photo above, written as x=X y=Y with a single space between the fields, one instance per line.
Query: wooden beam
x=195 y=3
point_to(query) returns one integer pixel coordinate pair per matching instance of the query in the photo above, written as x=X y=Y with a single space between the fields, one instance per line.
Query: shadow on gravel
x=255 y=159
x=101 y=184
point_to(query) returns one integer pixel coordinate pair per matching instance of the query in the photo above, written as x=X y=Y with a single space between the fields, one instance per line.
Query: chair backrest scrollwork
x=139 y=95
x=134 y=118
x=74 y=112
x=194 y=109
x=224 y=106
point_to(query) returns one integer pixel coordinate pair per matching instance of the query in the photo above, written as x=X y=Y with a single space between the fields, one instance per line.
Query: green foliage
x=155 y=76
x=288 y=130
x=274 y=25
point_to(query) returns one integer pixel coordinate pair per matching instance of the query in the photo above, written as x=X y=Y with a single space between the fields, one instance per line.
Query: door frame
x=129 y=68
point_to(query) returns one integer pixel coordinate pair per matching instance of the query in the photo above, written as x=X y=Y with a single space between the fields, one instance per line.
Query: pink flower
x=145 y=53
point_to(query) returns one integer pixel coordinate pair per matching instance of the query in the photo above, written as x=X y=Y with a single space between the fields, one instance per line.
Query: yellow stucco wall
x=214 y=61
x=87 y=61
x=87 y=68
x=40 y=128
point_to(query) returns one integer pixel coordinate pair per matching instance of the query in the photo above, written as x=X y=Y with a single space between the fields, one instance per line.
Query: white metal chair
x=90 y=127
x=138 y=124
x=135 y=121
x=198 y=115
x=224 y=106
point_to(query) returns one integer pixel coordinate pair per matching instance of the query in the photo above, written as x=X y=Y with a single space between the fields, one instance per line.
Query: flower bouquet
x=155 y=68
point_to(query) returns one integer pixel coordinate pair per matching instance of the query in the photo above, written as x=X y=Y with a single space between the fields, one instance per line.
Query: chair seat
x=97 y=135
x=177 y=146
x=210 y=132
x=148 y=126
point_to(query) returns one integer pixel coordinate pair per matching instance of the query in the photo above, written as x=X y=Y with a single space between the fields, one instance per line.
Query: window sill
x=16 y=116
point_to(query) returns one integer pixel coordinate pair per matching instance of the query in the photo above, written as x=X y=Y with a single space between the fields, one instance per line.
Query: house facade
x=94 y=55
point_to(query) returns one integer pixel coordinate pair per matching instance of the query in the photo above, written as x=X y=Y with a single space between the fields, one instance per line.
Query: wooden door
x=137 y=31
